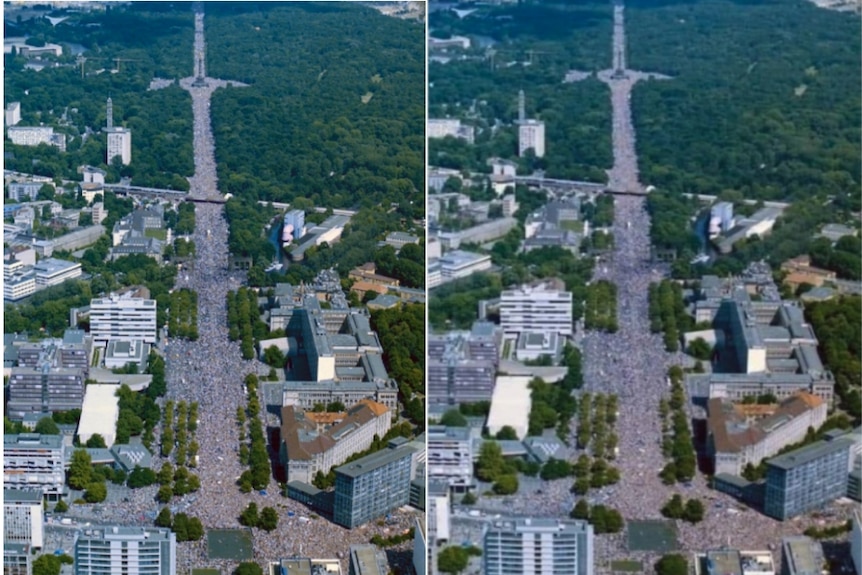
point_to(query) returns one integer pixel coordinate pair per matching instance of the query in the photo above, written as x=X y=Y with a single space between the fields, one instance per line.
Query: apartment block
x=34 y=462
x=542 y=307
x=23 y=519
x=122 y=317
x=126 y=551
x=537 y=547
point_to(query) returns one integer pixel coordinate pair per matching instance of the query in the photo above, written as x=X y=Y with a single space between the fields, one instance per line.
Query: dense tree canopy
x=764 y=100
x=335 y=111
x=577 y=116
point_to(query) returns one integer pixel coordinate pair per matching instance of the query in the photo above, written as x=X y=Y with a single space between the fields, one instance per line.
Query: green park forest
x=334 y=112
x=577 y=116
x=155 y=43
x=764 y=100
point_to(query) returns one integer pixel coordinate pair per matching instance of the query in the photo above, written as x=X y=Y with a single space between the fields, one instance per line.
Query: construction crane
x=531 y=53
x=491 y=52
x=118 y=60
x=81 y=60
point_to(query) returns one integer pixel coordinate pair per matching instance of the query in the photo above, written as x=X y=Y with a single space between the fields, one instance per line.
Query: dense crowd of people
x=633 y=364
x=211 y=371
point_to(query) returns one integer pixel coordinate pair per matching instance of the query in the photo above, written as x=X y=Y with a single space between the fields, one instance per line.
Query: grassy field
x=627 y=566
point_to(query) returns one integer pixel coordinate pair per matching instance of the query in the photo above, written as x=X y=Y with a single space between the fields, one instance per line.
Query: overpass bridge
x=175 y=195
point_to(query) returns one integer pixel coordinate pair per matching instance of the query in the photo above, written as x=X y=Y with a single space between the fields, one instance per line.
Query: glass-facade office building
x=807 y=478
x=372 y=486
x=538 y=547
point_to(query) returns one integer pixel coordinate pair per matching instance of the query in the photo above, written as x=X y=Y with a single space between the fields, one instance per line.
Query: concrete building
x=807 y=478
x=802 y=555
x=736 y=439
x=479 y=234
x=126 y=551
x=440 y=128
x=531 y=136
x=30 y=135
x=510 y=405
x=50 y=272
x=541 y=307
x=537 y=547
x=119 y=144
x=23 y=518
x=459 y=372
x=734 y=562
x=420 y=546
x=367 y=272
x=856 y=541
x=18 y=285
x=400 y=239
x=450 y=457
x=45 y=388
x=368 y=560
x=16 y=559
x=306 y=566
x=122 y=317
x=758 y=224
x=720 y=219
x=309 y=446
x=769 y=347
x=23 y=191
x=293 y=227
x=89 y=190
x=460 y=264
x=92 y=175
x=99 y=212
x=13 y=113
x=372 y=486
x=34 y=462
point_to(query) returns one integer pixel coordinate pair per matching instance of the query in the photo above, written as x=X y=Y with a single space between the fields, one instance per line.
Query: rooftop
x=809 y=453
x=804 y=554
x=375 y=461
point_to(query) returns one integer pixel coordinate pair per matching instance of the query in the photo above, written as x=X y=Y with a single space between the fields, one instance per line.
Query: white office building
x=450 y=456
x=126 y=551
x=19 y=286
x=537 y=547
x=13 y=113
x=34 y=462
x=543 y=307
x=440 y=128
x=23 y=519
x=30 y=135
x=119 y=144
x=122 y=317
x=531 y=134
x=51 y=272
x=460 y=264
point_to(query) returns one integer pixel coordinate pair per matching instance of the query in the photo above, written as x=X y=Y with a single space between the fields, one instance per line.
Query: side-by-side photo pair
x=436 y=287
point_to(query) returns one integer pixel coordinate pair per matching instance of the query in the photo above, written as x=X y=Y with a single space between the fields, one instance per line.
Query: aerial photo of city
x=497 y=287
x=644 y=287
x=214 y=277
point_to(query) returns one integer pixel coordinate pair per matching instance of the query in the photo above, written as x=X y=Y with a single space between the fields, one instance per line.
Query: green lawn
x=627 y=566
x=576 y=226
x=156 y=233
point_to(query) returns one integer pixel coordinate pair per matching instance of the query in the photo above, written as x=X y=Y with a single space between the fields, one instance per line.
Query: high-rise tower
x=110 y=114
x=522 y=115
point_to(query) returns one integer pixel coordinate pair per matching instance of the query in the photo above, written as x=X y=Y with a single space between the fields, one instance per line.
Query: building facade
x=531 y=135
x=450 y=456
x=372 y=486
x=119 y=317
x=544 y=307
x=308 y=447
x=119 y=144
x=537 y=547
x=126 y=551
x=807 y=478
x=34 y=462
x=23 y=520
